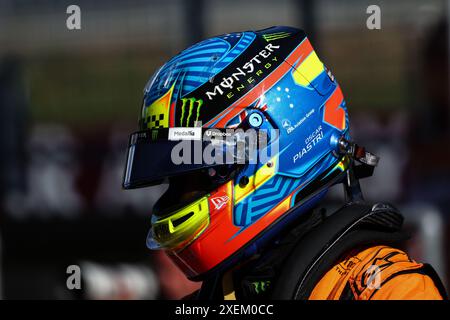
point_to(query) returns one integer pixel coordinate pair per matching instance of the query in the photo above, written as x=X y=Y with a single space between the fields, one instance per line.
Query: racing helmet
x=271 y=83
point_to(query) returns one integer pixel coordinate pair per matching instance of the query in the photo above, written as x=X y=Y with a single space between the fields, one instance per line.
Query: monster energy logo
x=154 y=134
x=192 y=104
x=261 y=286
x=275 y=36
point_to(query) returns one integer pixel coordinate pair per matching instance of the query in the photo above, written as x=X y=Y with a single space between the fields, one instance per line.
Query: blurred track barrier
x=120 y=282
x=428 y=222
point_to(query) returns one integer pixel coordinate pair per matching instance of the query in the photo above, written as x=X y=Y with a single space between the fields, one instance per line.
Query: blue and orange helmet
x=214 y=214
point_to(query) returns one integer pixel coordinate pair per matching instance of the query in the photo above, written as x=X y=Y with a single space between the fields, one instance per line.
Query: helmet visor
x=161 y=153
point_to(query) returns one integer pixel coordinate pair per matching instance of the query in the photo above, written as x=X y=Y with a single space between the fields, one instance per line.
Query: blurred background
x=69 y=99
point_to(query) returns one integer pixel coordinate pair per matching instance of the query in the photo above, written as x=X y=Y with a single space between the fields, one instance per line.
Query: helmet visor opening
x=189 y=187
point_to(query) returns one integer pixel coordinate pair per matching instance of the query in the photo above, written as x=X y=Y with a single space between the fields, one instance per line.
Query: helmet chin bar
x=362 y=164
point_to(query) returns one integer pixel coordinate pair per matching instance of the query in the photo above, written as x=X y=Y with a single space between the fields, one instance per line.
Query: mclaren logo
x=190 y=111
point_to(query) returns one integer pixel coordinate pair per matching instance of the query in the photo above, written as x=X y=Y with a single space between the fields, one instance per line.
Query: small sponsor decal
x=286 y=123
x=290 y=128
x=185 y=133
x=219 y=201
x=218 y=133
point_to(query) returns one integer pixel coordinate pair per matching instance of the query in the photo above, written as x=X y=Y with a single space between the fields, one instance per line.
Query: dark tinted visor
x=161 y=153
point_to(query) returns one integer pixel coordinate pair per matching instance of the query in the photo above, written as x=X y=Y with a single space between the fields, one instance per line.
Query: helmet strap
x=352 y=188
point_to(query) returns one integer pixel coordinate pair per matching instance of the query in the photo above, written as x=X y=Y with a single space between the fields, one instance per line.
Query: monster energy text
x=249 y=68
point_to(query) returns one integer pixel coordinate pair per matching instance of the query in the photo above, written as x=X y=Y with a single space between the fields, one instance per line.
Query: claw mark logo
x=275 y=36
x=374 y=20
x=193 y=106
x=261 y=286
x=286 y=123
x=154 y=134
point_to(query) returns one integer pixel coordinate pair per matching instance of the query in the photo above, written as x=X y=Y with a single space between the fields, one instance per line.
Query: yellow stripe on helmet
x=258 y=179
x=308 y=70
